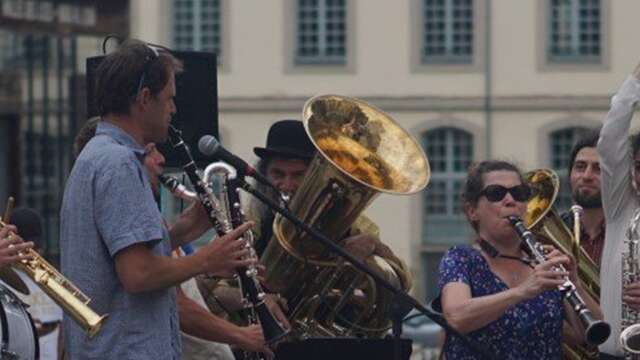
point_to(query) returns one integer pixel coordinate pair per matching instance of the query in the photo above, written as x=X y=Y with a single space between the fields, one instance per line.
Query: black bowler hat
x=287 y=138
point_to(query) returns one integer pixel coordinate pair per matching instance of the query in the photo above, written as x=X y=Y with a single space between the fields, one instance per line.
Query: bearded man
x=584 y=179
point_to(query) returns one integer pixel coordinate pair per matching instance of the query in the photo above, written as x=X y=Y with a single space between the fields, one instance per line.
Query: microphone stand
x=402 y=301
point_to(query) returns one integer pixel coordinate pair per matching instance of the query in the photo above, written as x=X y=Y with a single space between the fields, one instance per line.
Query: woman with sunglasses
x=492 y=291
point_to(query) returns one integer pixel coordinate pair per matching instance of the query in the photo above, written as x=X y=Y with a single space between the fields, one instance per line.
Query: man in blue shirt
x=114 y=246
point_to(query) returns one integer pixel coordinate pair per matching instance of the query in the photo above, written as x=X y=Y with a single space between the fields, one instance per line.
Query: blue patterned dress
x=529 y=330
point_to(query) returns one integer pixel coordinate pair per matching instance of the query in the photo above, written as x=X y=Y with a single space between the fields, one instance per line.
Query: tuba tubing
x=361 y=152
x=61 y=290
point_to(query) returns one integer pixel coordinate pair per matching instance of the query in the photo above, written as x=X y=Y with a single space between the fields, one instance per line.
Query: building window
x=561 y=142
x=447 y=31
x=197 y=26
x=20 y=51
x=575 y=31
x=46 y=161
x=321 y=34
x=450 y=152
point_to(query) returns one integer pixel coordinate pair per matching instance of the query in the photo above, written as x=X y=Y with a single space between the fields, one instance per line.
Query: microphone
x=210 y=146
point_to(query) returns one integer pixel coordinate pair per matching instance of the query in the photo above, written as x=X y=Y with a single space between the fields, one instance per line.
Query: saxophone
x=61 y=290
x=630 y=325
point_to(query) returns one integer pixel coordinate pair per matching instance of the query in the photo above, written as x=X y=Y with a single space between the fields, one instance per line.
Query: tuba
x=361 y=153
x=543 y=220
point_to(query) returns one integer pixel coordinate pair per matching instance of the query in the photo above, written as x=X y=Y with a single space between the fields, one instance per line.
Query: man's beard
x=588 y=201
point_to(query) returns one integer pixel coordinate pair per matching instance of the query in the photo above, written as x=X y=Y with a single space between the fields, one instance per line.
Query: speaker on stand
x=196 y=101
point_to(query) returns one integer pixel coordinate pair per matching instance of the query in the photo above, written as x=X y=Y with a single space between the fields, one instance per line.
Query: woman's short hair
x=475 y=180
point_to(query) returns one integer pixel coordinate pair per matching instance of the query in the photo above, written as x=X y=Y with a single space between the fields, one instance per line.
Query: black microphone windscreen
x=208 y=145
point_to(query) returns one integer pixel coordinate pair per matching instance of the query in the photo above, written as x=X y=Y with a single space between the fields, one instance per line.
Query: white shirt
x=194 y=348
x=619 y=201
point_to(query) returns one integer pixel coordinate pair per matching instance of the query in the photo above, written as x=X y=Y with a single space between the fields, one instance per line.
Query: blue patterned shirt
x=532 y=329
x=108 y=206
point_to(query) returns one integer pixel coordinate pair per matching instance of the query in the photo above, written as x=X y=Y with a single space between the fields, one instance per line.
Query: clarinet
x=176 y=188
x=250 y=287
x=596 y=331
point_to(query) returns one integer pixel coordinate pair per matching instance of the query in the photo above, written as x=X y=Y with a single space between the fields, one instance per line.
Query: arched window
x=450 y=152
x=561 y=142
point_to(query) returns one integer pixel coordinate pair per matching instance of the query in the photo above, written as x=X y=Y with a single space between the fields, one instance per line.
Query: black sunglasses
x=495 y=193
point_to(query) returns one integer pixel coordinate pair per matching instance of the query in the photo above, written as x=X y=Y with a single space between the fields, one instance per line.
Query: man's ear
x=145 y=96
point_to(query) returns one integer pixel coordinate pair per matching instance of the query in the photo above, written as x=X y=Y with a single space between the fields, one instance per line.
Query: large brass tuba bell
x=361 y=153
x=543 y=220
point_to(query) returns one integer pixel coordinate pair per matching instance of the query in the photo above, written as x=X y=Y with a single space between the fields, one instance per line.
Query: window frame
x=293 y=67
x=223 y=48
x=544 y=59
x=574 y=33
x=437 y=247
x=323 y=58
x=477 y=58
x=449 y=176
x=449 y=33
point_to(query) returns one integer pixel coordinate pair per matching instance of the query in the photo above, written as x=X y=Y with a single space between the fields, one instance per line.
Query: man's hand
x=45 y=329
x=224 y=255
x=631 y=295
x=11 y=245
x=190 y=225
x=252 y=339
x=361 y=246
x=277 y=305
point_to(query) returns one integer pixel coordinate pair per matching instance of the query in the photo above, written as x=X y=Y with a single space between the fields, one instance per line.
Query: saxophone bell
x=630 y=339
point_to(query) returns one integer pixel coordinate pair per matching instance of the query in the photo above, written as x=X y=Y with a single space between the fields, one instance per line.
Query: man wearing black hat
x=284 y=161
